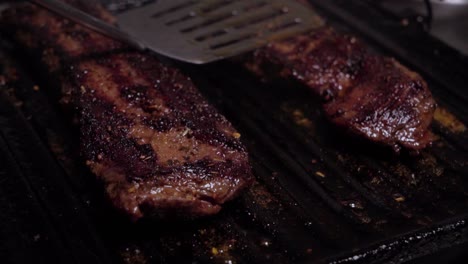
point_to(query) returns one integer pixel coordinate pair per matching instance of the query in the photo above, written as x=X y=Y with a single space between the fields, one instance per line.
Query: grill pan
x=320 y=195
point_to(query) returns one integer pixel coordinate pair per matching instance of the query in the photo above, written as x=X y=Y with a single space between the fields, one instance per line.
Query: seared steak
x=370 y=95
x=146 y=131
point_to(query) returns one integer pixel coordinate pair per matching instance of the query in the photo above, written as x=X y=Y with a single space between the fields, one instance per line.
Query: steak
x=146 y=131
x=369 y=95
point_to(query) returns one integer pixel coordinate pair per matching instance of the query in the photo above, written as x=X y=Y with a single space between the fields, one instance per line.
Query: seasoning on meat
x=370 y=95
x=146 y=131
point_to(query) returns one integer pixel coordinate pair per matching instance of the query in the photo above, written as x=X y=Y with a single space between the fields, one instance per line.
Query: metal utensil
x=200 y=31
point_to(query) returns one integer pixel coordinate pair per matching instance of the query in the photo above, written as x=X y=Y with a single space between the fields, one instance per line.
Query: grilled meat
x=370 y=95
x=146 y=131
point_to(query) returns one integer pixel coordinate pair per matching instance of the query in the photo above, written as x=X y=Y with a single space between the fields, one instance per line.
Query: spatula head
x=208 y=30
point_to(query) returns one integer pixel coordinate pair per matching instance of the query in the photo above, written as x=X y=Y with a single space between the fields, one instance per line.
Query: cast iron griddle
x=320 y=194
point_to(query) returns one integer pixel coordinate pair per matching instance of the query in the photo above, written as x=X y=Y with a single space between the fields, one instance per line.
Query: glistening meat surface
x=159 y=147
x=368 y=94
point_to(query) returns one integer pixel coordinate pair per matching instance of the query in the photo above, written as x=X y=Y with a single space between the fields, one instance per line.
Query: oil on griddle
x=319 y=192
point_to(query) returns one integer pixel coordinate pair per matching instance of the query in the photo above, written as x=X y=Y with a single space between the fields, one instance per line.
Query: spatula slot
x=233 y=41
x=173 y=9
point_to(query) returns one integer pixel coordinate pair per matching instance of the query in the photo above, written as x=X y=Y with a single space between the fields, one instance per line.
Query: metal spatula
x=200 y=31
